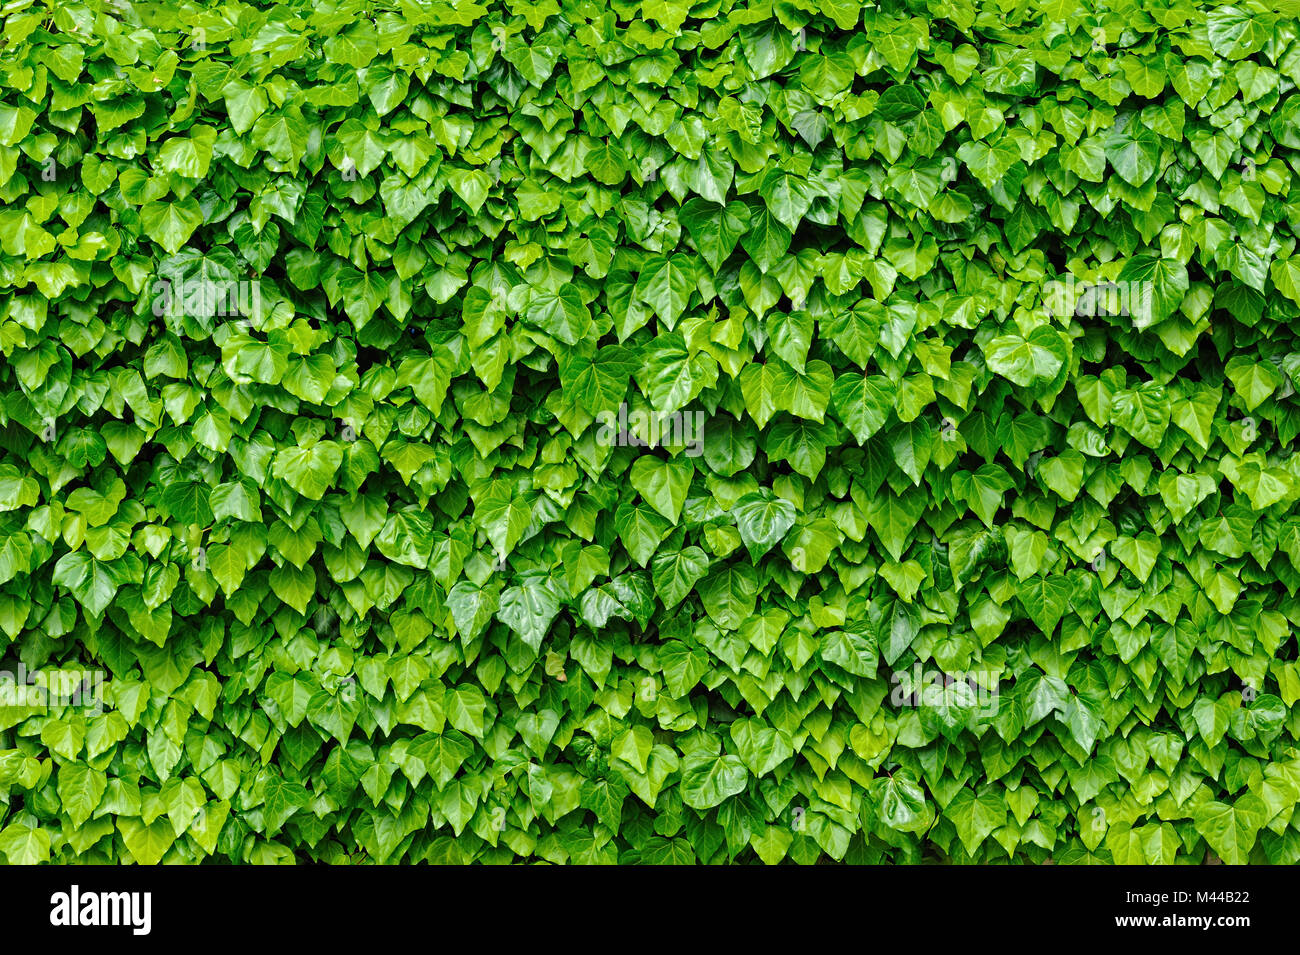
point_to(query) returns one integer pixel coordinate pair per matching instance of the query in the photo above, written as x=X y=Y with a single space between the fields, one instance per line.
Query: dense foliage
x=649 y=431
